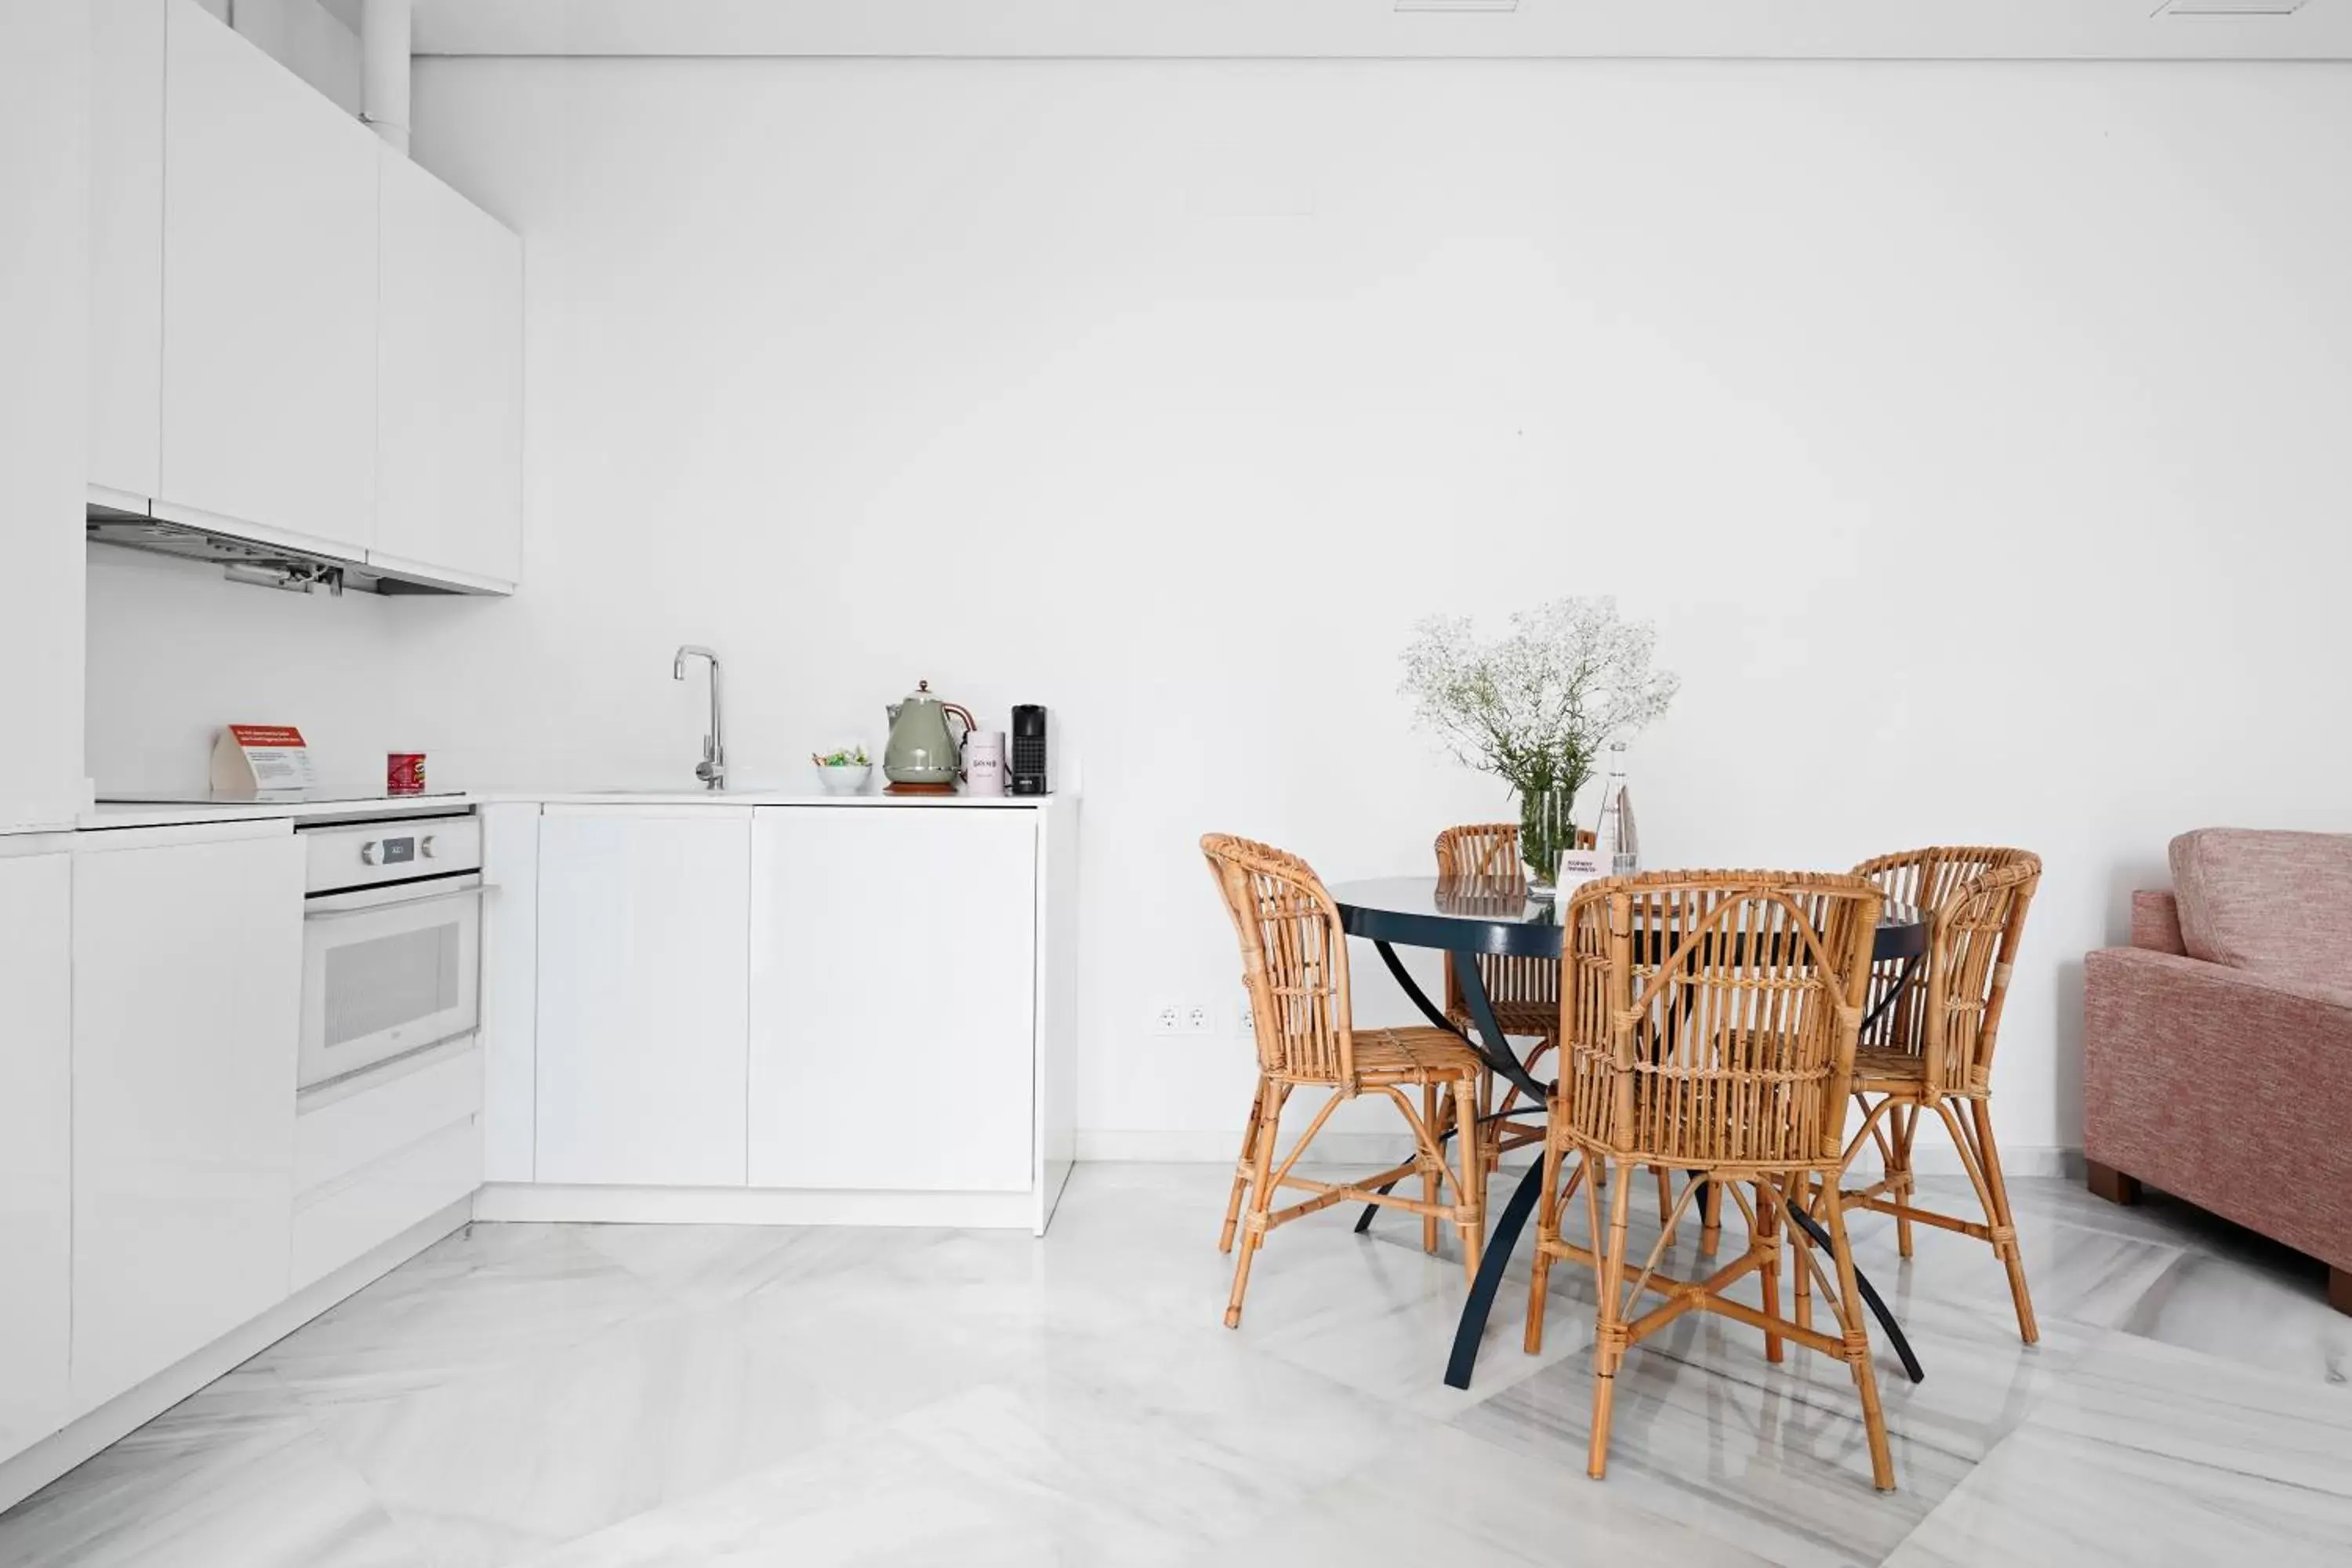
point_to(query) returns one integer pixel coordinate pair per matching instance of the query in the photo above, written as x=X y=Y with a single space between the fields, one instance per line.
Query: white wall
x=1971 y=433
x=177 y=651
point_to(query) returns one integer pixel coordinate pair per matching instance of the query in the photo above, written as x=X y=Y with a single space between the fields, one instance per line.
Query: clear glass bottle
x=1613 y=837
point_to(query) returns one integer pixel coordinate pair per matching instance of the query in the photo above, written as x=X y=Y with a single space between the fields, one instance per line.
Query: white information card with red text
x=259 y=760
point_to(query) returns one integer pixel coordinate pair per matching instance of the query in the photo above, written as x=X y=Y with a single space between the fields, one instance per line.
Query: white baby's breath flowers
x=1537 y=705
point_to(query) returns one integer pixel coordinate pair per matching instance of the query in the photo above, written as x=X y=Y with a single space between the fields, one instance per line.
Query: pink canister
x=983 y=763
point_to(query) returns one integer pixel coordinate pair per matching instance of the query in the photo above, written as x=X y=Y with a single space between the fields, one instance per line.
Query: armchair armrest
x=2230 y=1089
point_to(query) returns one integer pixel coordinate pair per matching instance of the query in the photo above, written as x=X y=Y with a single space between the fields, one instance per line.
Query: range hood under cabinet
x=243 y=560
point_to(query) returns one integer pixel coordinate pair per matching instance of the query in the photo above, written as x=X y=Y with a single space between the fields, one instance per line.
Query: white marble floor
x=589 y=1396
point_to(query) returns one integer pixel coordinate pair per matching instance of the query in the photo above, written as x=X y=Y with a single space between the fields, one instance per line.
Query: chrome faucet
x=713 y=768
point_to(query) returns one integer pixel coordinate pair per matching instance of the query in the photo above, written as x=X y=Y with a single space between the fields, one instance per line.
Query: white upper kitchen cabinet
x=126 y=249
x=36 y=1132
x=642 y=913
x=269 y=299
x=448 y=384
x=894 y=965
x=44 y=117
x=187 y=976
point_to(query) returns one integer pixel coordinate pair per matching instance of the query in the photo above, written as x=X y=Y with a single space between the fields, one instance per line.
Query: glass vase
x=1547 y=828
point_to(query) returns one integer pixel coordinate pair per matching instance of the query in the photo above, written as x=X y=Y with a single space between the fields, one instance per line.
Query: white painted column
x=384 y=69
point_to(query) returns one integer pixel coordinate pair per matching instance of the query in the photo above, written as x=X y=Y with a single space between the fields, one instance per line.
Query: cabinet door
x=641 y=978
x=449 y=383
x=187 y=975
x=893 y=998
x=44 y=274
x=509 y=991
x=36 y=1151
x=270 y=264
x=126 y=248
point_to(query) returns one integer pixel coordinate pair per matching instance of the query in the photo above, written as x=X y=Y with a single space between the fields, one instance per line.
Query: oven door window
x=378 y=983
x=383 y=979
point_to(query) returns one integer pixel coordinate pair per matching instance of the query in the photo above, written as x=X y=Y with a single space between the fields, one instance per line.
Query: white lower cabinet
x=347 y=1218
x=36 y=1149
x=893 y=1021
x=187 y=965
x=509 y=1031
x=784 y=1014
x=376 y=1154
x=643 y=915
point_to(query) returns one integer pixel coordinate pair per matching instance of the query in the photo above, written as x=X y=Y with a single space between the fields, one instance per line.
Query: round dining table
x=1469 y=921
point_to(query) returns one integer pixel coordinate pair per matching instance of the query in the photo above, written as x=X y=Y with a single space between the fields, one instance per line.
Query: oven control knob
x=425 y=846
x=367 y=852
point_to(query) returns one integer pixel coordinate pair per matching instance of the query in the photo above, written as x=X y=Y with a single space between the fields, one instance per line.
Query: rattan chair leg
x=1856 y=1329
x=1261 y=1196
x=1490 y=1137
x=2004 y=1224
x=1609 y=1333
x=1795 y=1191
x=1547 y=1233
x=1907 y=1127
x=1710 y=1230
x=1242 y=1169
x=1666 y=1203
x=1473 y=1195
x=1430 y=1190
x=1767 y=1236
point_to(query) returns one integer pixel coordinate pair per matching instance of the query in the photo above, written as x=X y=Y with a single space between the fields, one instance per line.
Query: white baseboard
x=753 y=1205
x=1933 y=1155
x=25 y=1473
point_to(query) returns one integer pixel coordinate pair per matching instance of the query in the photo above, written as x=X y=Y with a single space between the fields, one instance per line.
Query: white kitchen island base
x=777 y=1011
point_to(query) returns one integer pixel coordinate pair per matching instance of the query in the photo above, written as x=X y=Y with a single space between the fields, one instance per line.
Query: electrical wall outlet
x=1246 y=1018
x=1199 y=1020
x=1168 y=1018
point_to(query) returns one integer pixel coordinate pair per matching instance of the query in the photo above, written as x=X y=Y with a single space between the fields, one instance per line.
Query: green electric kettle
x=924 y=755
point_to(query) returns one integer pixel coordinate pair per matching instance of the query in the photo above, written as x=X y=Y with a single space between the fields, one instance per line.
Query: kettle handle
x=970 y=724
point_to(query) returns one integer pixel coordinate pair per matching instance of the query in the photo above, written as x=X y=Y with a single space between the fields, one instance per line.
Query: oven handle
x=335 y=908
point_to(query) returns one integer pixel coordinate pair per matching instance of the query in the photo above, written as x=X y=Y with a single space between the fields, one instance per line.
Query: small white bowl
x=850 y=779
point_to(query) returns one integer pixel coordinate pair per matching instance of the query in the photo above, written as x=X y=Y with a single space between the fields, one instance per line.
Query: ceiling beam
x=1376 y=29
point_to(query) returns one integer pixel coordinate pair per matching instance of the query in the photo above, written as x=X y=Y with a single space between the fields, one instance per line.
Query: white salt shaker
x=983 y=763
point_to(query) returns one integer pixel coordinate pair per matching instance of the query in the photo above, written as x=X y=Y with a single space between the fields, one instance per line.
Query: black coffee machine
x=1027 y=763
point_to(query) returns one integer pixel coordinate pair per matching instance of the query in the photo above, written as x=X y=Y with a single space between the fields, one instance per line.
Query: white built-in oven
x=392 y=939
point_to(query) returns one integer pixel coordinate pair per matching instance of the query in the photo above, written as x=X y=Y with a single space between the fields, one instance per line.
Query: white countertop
x=166 y=814
x=780 y=797
x=163 y=814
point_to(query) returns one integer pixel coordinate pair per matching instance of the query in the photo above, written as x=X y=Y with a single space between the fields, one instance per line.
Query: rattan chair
x=1523 y=992
x=1708 y=1025
x=1295 y=966
x=1929 y=1046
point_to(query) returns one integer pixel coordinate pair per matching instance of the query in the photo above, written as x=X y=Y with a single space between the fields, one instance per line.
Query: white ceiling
x=1771 y=29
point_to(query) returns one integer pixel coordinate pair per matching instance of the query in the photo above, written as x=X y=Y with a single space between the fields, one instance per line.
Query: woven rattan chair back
x=1294 y=960
x=1948 y=1011
x=1487 y=854
x=1481 y=852
x=1708 y=1019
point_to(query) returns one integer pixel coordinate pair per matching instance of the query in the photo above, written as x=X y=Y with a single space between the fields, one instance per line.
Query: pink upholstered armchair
x=2217 y=1049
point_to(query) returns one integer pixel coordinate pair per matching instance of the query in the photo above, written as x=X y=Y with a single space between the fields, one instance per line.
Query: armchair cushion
x=2275 y=904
